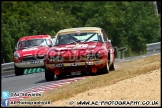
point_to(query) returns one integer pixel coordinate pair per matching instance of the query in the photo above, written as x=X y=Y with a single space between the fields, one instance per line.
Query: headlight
x=97 y=55
x=16 y=55
x=90 y=56
x=93 y=56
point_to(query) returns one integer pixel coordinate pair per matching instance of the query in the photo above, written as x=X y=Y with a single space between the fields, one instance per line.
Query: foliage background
x=128 y=24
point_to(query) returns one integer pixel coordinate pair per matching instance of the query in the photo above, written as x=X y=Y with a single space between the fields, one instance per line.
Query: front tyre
x=105 y=69
x=18 y=71
x=49 y=76
x=112 y=67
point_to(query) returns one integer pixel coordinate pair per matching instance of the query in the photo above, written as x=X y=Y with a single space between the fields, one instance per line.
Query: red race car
x=77 y=51
x=30 y=51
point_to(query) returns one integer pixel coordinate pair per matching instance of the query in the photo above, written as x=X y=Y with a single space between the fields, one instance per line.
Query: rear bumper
x=76 y=66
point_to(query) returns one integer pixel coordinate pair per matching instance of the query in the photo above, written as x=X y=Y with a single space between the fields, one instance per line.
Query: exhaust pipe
x=57 y=72
x=94 y=69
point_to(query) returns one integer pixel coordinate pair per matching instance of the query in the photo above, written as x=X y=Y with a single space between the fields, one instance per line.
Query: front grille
x=28 y=58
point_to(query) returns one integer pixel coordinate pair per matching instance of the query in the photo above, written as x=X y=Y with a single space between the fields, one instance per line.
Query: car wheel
x=112 y=67
x=18 y=71
x=49 y=76
x=105 y=69
x=60 y=75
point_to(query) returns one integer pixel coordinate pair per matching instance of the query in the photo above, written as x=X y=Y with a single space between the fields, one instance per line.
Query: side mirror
x=109 y=40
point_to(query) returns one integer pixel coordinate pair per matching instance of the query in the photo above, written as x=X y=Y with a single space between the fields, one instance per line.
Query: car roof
x=80 y=28
x=34 y=37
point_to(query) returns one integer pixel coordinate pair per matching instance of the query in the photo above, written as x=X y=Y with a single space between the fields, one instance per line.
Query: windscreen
x=32 y=43
x=78 y=37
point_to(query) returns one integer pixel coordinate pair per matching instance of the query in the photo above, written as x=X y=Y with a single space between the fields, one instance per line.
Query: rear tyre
x=49 y=76
x=18 y=71
x=105 y=69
